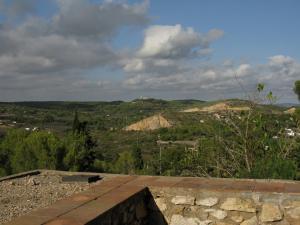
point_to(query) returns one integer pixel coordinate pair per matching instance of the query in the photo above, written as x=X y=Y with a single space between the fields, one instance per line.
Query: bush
x=124 y=164
x=274 y=168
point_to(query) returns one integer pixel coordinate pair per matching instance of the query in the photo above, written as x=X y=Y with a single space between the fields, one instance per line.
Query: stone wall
x=184 y=206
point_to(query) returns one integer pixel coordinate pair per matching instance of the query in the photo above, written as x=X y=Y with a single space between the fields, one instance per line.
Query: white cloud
x=243 y=70
x=77 y=37
x=49 y=58
x=280 y=60
x=223 y=80
x=165 y=50
x=80 y=18
x=175 y=41
x=170 y=60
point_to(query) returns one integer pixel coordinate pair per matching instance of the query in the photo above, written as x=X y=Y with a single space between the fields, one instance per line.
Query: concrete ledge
x=215 y=184
x=20 y=175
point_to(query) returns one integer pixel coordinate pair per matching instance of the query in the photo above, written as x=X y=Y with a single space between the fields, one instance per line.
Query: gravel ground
x=22 y=195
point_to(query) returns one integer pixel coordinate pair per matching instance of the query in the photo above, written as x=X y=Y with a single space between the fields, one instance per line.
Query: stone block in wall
x=217 y=213
x=238 y=204
x=181 y=220
x=210 y=201
x=294 y=213
x=222 y=223
x=183 y=200
x=270 y=212
x=287 y=204
x=237 y=218
x=252 y=221
x=161 y=204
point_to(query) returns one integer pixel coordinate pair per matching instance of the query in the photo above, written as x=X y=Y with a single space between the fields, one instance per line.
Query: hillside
x=158 y=121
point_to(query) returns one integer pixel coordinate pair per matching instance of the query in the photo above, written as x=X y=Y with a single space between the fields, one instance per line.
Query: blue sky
x=253 y=29
x=108 y=50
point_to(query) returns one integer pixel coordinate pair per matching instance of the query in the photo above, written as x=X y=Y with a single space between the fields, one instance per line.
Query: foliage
x=21 y=151
x=297 y=88
x=274 y=167
x=124 y=164
x=229 y=143
x=138 y=162
x=79 y=147
x=48 y=118
x=80 y=154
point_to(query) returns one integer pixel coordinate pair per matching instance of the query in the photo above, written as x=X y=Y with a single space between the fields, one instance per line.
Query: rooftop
x=41 y=197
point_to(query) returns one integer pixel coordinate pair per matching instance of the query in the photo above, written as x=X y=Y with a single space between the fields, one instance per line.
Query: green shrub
x=274 y=168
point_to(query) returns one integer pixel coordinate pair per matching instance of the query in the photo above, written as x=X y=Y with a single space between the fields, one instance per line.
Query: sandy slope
x=150 y=123
x=218 y=107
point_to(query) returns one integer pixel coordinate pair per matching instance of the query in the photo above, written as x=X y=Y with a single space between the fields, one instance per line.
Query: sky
x=92 y=50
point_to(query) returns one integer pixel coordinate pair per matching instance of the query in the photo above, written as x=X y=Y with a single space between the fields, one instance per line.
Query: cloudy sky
x=91 y=50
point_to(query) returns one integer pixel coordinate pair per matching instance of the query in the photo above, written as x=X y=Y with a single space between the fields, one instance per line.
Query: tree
x=124 y=164
x=8 y=150
x=76 y=123
x=297 y=88
x=80 y=152
x=48 y=118
x=137 y=158
x=245 y=137
x=274 y=167
x=80 y=147
x=21 y=151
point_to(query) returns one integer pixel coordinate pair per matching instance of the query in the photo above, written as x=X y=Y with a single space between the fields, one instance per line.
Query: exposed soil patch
x=290 y=111
x=223 y=106
x=150 y=123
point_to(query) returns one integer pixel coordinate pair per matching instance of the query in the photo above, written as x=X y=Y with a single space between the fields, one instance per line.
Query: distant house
x=289 y=132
